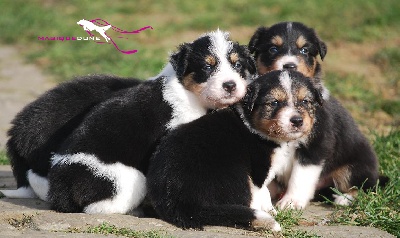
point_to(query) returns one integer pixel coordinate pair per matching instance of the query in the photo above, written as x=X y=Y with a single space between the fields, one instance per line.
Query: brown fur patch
x=191 y=85
x=210 y=60
x=300 y=42
x=308 y=71
x=279 y=94
x=341 y=178
x=267 y=126
x=262 y=69
x=234 y=57
x=302 y=93
x=277 y=40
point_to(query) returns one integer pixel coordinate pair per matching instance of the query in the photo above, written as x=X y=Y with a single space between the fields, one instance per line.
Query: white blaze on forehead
x=289 y=27
x=286 y=83
x=220 y=45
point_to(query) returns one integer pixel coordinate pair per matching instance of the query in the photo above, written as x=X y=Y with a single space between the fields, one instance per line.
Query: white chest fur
x=185 y=105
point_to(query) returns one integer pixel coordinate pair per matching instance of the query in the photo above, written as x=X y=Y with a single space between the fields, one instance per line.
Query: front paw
x=291 y=203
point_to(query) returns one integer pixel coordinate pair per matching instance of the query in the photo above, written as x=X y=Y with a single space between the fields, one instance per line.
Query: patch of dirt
x=20 y=83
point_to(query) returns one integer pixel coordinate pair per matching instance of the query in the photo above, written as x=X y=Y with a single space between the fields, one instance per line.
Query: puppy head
x=214 y=68
x=281 y=105
x=287 y=45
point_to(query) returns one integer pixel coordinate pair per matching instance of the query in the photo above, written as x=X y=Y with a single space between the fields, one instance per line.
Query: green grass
x=174 y=21
x=108 y=229
x=380 y=207
x=289 y=219
x=3 y=158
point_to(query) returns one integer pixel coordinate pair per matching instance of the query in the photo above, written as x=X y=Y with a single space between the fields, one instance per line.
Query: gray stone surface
x=43 y=222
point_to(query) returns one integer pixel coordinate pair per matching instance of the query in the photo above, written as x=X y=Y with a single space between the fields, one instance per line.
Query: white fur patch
x=129 y=183
x=261 y=199
x=286 y=60
x=266 y=220
x=185 y=105
x=282 y=162
x=343 y=200
x=39 y=184
x=301 y=186
x=22 y=192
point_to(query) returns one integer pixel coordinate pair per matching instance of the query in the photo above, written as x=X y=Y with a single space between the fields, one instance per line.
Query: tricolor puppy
x=294 y=46
x=291 y=46
x=101 y=167
x=215 y=170
x=41 y=126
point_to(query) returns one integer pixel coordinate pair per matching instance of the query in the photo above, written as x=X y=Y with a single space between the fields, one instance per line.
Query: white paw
x=291 y=203
x=265 y=220
x=343 y=200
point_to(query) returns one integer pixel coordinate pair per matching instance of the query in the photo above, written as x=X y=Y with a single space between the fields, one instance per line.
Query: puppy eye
x=237 y=65
x=304 y=50
x=273 y=50
x=207 y=67
x=305 y=102
x=274 y=103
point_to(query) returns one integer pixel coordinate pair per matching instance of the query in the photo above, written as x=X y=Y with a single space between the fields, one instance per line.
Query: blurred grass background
x=361 y=67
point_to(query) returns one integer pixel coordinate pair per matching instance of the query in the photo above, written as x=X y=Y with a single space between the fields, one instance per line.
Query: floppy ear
x=179 y=59
x=249 y=99
x=318 y=96
x=322 y=48
x=255 y=39
x=249 y=59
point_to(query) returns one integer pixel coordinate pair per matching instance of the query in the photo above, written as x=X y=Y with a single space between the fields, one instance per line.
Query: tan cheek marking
x=308 y=71
x=234 y=57
x=268 y=126
x=341 y=178
x=210 y=60
x=300 y=42
x=191 y=85
x=308 y=123
x=277 y=40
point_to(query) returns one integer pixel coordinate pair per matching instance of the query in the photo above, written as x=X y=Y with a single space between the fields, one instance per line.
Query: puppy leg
x=130 y=187
x=301 y=186
x=261 y=200
x=39 y=184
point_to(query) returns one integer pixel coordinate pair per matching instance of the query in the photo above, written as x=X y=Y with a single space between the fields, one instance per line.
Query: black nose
x=229 y=86
x=297 y=121
x=290 y=66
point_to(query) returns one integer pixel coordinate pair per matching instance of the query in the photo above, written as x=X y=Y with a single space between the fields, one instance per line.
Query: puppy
x=291 y=46
x=346 y=159
x=214 y=170
x=41 y=126
x=101 y=167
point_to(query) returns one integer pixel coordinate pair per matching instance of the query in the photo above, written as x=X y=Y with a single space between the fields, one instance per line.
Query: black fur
x=199 y=174
x=126 y=128
x=40 y=128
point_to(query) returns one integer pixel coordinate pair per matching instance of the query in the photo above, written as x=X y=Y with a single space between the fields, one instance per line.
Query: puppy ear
x=322 y=48
x=179 y=59
x=251 y=95
x=249 y=59
x=318 y=96
x=255 y=39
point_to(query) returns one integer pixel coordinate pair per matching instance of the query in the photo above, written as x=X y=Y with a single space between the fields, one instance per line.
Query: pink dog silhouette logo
x=101 y=26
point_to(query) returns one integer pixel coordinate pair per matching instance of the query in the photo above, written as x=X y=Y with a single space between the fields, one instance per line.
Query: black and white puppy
x=215 y=170
x=101 y=167
x=40 y=127
x=347 y=159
